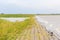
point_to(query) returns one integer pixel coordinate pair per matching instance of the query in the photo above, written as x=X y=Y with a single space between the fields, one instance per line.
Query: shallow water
x=14 y=19
x=52 y=23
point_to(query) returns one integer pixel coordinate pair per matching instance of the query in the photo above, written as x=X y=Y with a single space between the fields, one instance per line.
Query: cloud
x=37 y=4
x=47 y=6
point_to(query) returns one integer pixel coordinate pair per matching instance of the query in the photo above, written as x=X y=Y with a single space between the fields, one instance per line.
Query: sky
x=30 y=6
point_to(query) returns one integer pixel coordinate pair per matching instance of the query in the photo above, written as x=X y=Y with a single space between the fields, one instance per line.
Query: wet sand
x=53 y=23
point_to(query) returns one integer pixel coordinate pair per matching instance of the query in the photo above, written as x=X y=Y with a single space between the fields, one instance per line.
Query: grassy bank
x=16 y=15
x=25 y=15
x=11 y=30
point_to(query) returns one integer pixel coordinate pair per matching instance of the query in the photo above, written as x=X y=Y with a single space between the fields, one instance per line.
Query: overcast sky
x=30 y=6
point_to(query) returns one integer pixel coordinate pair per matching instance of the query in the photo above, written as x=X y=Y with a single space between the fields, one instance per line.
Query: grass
x=25 y=15
x=11 y=30
x=16 y=15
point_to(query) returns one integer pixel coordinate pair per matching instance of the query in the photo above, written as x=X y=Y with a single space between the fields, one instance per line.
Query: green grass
x=24 y=15
x=11 y=30
x=16 y=15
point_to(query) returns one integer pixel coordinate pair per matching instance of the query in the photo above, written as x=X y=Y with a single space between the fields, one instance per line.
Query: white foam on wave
x=45 y=23
x=52 y=24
